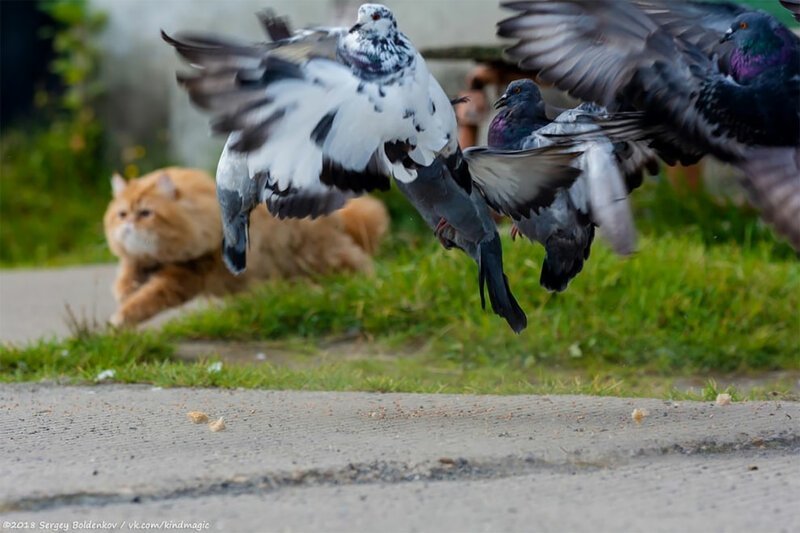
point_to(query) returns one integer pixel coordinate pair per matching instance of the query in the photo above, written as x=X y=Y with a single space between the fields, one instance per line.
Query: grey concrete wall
x=144 y=105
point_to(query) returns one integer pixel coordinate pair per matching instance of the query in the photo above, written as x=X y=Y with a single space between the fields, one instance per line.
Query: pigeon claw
x=514 y=232
x=441 y=228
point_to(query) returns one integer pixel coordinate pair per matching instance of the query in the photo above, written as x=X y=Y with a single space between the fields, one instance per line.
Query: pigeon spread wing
x=699 y=23
x=793 y=6
x=308 y=122
x=514 y=182
x=601 y=191
x=612 y=52
x=772 y=180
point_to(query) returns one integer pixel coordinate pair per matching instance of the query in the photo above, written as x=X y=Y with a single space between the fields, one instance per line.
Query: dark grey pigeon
x=711 y=78
x=470 y=228
x=599 y=197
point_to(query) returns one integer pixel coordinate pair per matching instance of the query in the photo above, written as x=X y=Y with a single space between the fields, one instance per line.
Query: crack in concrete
x=385 y=472
x=394 y=472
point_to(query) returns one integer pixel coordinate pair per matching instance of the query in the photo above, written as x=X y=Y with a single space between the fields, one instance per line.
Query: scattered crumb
x=217 y=425
x=638 y=415
x=213 y=368
x=447 y=461
x=752 y=467
x=198 y=417
x=723 y=399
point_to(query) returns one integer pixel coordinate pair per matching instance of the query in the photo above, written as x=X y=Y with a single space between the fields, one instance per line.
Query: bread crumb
x=638 y=415
x=198 y=417
x=217 y=425
x=723 y=399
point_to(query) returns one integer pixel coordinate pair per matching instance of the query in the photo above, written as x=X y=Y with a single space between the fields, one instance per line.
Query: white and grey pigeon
x=332 y=112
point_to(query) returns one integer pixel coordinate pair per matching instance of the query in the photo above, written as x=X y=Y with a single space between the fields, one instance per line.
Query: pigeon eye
x=742 y=25
x=376 y=16
x=517 y=90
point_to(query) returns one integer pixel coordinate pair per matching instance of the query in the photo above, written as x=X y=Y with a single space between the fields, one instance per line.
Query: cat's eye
x=122 y=213
x=144 y=213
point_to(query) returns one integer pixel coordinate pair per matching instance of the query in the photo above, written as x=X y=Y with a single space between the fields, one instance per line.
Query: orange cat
x=165 y=228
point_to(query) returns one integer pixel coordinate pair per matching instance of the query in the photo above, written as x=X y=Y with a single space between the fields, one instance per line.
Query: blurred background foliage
x=54 y=176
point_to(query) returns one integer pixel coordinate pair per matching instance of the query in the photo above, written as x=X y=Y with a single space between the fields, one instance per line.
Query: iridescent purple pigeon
x=711 y=78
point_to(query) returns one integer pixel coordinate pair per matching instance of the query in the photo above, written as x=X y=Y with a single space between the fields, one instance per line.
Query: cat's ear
x=118 y=184
x=167 y=186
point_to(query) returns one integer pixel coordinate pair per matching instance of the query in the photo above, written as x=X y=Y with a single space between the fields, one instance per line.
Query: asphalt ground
x=321 y=461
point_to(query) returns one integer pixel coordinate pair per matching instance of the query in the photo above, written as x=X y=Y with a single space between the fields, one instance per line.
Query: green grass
x=137 y=358
x=675 y=306
x=148 y=360
x=637 y=326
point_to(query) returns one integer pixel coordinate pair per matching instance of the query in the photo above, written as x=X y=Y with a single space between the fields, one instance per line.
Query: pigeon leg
x=441 y=228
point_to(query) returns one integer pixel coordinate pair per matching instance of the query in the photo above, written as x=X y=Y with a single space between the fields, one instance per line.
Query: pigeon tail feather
x=490 y=265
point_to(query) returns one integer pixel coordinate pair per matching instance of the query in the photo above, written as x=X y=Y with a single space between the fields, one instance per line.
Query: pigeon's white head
x=375 y=20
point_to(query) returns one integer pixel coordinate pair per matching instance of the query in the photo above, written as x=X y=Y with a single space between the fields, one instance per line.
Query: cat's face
x=140 y=221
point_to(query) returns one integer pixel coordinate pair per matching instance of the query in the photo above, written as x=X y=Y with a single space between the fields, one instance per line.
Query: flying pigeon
x=599 y=197
x=710 y=78
x=470 y=228
x=328 y=113
x=332 y=110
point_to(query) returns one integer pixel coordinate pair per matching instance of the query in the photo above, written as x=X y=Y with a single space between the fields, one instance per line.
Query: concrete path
x=37 y=303
x=317 y=461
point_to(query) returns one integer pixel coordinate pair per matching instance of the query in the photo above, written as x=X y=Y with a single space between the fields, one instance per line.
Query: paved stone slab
x=92 y=451
x=700 y=494
x=34 y=303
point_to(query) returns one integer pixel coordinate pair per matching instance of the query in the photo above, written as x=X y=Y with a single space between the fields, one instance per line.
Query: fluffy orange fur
x=165 y=228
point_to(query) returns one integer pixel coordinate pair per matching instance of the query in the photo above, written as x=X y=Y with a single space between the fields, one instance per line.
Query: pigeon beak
x=355 y=28
x=501 y=102
x=727 y=36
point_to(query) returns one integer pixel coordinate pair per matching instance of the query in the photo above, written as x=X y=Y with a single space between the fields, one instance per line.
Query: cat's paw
x=122 y=289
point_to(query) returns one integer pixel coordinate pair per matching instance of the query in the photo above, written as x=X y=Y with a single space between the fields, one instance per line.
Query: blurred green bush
x=54 y=183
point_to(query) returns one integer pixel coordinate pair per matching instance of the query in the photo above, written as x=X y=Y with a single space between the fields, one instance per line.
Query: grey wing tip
x=235 y=257
x=276 y=27
x=167 y=38
x=793 y=6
